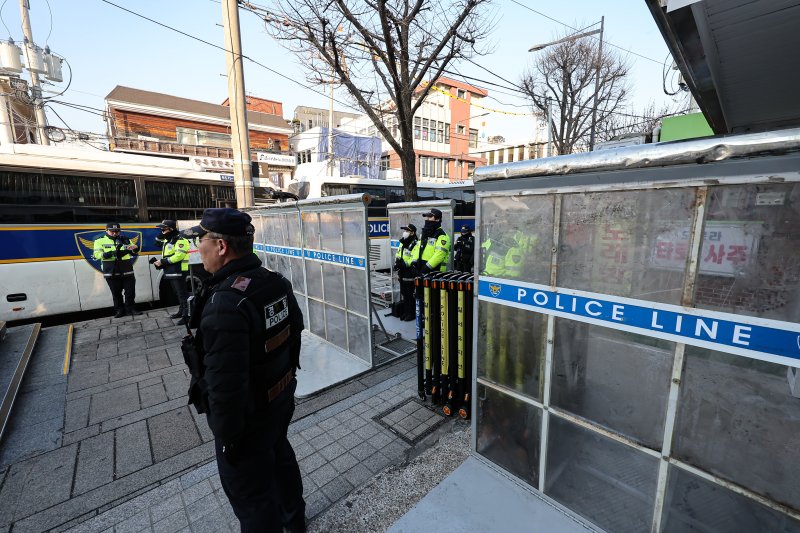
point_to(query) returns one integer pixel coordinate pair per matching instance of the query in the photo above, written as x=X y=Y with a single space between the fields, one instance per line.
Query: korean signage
x=757 y=338
x=728 y=247
x=281 y=160
x=201 y=163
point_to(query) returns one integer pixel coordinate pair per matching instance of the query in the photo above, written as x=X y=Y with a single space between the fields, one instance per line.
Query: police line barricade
x=403 y=213
x=637 y=329
x=278 y=241
x=321 y=246
x=444 y=340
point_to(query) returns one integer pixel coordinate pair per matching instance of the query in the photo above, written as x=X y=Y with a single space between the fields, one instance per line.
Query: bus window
x=396 y=195
x=330 y=189
x=186 y=195
x=425 y=194
x=55 y=198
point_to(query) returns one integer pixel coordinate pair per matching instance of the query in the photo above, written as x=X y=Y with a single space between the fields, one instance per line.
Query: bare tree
x=564 y=75
x=643 y=121
x=386 y=53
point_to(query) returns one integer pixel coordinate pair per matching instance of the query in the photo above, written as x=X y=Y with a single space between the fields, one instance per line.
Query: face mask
x=406 y=234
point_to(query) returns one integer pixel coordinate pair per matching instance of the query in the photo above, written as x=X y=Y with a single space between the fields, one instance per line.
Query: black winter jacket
x=246 y=309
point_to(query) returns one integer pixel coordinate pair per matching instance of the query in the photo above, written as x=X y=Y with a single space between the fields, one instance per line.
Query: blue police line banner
x=347 y=260
x=757 y=338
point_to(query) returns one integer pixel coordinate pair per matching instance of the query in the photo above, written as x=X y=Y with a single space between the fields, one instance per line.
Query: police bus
x=387 y=192
x=55 y=201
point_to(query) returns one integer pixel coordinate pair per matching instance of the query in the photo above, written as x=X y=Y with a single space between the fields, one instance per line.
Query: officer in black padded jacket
x=243 y=360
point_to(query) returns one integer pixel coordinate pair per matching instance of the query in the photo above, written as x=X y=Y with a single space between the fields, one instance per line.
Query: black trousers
x=179 y=288
x=262 y=478
x=407 y=297
x=118 y=284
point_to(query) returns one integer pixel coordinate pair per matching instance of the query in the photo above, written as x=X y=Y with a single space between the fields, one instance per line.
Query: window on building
x=424 y=129
x=473 y=138
x=470 y=169
x=500 y=158
x=461 y=130
x=491 y=158
x=195 y=137
x=440 y=132
x=438 y=168
x=511 y=156
x=385 y=162
x=447 y=133
x=461 y=93
x=521 y=153
x=446 y=168
x=417 y=124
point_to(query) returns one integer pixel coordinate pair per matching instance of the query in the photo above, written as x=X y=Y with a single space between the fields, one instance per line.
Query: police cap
x=225 y=221
x=113 y=226
x=168 y=224
x=411 y=227
x=435 y=213
x=466 y=229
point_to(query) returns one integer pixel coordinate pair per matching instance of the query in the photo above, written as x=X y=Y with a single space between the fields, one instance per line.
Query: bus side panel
x=49 y=288
x=94 y=292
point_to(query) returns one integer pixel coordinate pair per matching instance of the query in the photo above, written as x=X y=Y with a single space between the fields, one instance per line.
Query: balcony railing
x=126 y=144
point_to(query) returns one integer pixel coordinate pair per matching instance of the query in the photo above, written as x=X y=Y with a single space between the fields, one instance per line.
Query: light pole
x=568 y=38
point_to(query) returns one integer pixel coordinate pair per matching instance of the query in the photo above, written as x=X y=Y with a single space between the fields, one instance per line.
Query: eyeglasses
x=201 y=239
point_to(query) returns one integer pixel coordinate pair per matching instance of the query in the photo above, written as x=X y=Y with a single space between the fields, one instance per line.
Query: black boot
x=181 y=322
x=120 y=313
x=179 y=314
x=133 y=312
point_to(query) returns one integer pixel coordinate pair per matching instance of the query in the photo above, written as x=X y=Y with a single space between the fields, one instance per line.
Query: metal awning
x=740 y=59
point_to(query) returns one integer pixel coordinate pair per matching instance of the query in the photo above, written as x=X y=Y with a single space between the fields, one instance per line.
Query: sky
x=107 y=46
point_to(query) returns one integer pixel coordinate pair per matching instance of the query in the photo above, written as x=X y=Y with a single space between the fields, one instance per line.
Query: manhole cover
x=411 y=420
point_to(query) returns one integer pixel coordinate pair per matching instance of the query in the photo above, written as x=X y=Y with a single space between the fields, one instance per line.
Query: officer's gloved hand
x=398 y=264
x=424 y=268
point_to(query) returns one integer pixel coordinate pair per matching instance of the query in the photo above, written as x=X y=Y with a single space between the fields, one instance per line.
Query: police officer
x=175 y=263
x=243 y=360
x=402 y=264
x=433 y=249
x=117 y=254
x=464 y=250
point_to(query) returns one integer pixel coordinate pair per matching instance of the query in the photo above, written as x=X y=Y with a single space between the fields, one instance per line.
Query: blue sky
x=107 y=46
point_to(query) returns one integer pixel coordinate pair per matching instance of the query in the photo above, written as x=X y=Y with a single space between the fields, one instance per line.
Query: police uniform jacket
x=116 y=260
x=174 y=254
x=249 y=332
x=406 y=250
x=433 y=248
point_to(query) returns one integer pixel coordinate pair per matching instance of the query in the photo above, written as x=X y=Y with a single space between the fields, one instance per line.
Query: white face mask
x=406 y=234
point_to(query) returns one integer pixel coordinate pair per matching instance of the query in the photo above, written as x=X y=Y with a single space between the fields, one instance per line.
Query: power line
x=575 y=29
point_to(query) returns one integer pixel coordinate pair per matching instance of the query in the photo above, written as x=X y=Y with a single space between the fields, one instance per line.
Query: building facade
x=146 y=122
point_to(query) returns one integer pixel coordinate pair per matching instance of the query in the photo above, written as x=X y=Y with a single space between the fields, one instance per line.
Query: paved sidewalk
x=134 y=457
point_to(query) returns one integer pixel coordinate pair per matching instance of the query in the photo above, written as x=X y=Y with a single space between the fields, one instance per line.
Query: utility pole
x=36 y=91
x=549 y=129
x=240 y=136
x=597 y=84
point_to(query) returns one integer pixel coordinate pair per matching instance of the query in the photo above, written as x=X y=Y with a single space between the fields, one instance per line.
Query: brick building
x=146 y=122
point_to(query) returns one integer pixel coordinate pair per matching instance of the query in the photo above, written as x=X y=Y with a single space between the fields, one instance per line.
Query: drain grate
x=410 y=420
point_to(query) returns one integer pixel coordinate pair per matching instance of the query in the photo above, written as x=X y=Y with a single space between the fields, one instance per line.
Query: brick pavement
x=135 y=457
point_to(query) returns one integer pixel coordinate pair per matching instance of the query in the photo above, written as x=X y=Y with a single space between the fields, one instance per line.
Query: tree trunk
x=408 y=162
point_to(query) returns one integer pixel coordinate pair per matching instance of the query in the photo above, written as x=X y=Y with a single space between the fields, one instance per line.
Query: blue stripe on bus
x=57 y=243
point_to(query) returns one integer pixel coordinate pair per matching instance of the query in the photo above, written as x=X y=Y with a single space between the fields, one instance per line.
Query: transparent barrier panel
x=512 y=349
x=298 y=278
x=738 y=419
x=302 y=303
x=311 y=230
x=335 y=321
x=626 y=243
x=618 y=380
x=516 y=235
x=330 y=224
x=695 y=504
x=314 y=280
x=358 y=336
x=356 y=290
x=316 y=318
x=611 y=484
x=354 y=237
x=750 y=257
x=333 y=284
x=509 y=433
